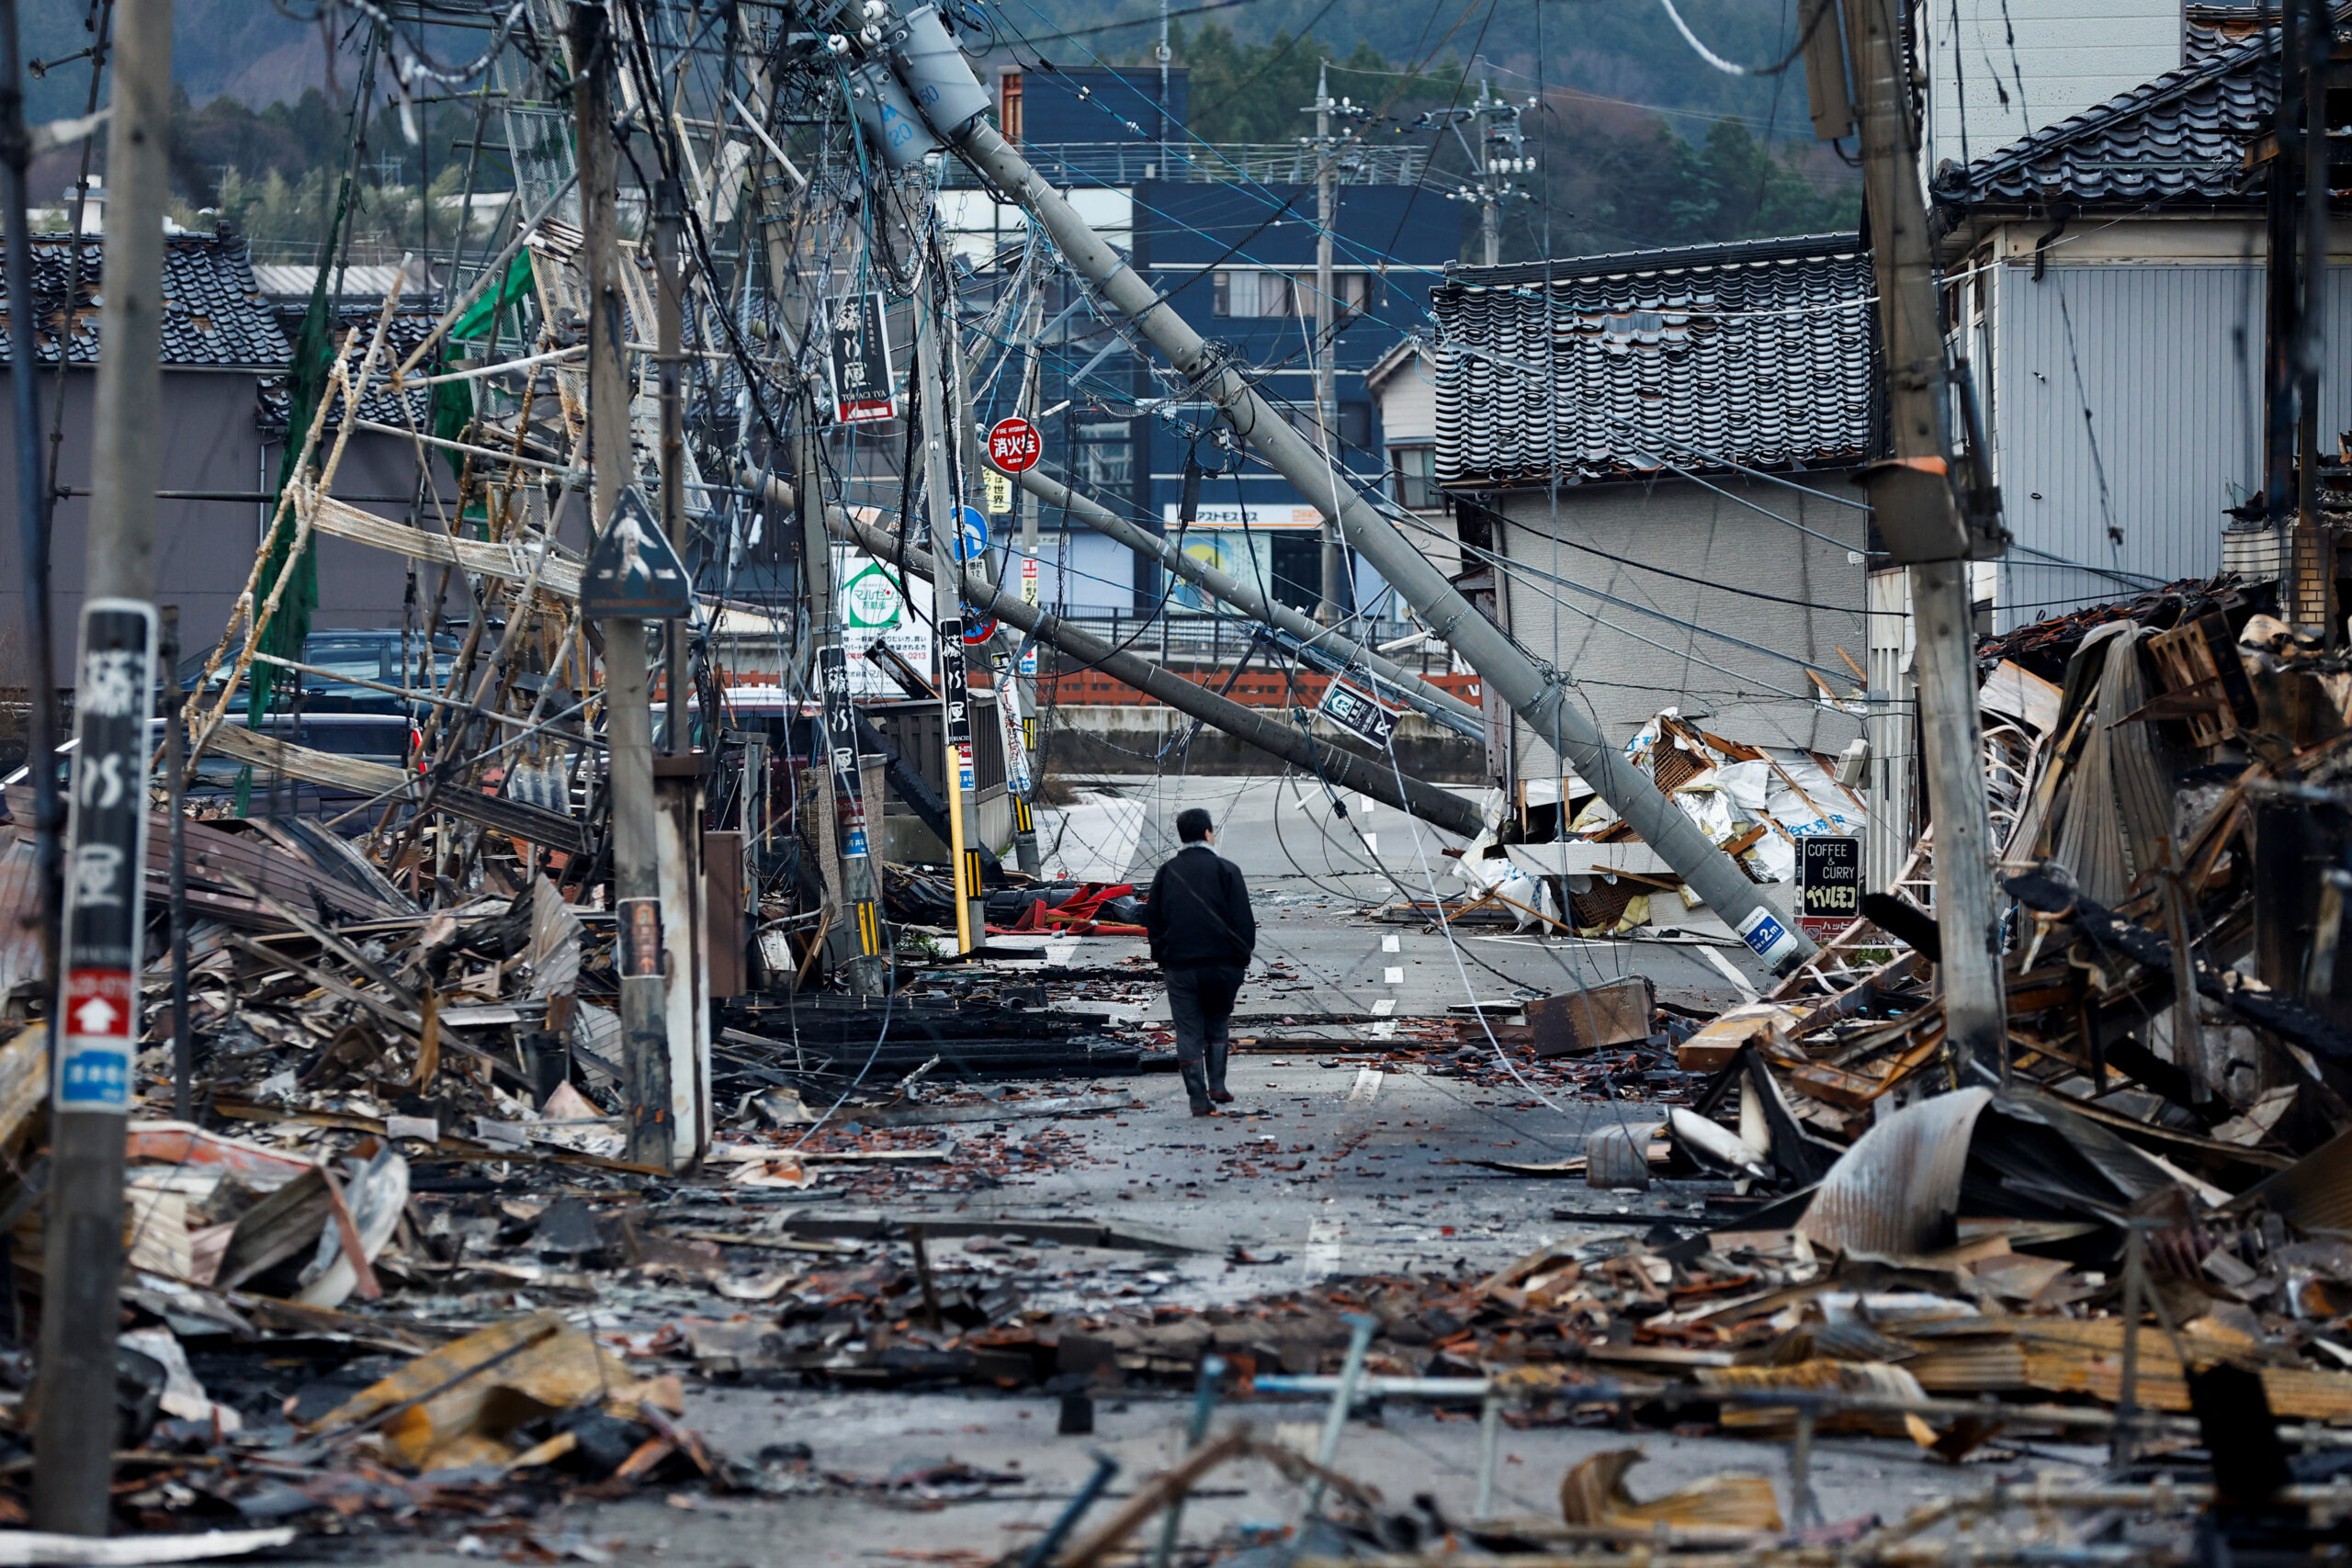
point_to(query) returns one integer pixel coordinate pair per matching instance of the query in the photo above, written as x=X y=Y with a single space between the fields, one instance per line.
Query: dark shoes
x=1196 y=1085
x=1217 y=1091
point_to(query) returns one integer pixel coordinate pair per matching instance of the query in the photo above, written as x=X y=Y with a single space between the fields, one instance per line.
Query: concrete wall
x=1666 y=642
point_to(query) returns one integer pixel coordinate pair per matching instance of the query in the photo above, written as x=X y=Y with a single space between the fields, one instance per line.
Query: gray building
x=1650 y=460
x=2104 y=276
x=220 y=446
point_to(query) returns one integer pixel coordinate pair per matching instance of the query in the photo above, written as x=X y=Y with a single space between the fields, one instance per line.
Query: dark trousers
x=1201 y=999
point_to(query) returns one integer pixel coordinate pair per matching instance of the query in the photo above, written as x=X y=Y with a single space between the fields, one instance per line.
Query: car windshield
x=349 y=657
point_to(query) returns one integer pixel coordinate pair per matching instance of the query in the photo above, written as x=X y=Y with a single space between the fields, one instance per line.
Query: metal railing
x=1209 y=641
x=1266 y=162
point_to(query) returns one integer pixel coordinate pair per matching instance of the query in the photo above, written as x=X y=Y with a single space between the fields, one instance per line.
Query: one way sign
x=633 y=569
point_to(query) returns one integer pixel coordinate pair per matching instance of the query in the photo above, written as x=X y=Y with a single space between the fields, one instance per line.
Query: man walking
x=1202 y=935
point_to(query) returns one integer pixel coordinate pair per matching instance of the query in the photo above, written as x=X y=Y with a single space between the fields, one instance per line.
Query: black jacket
x=1199 y=914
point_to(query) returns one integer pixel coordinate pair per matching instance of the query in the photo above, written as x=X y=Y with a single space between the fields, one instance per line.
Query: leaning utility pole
x=1917 y=512
x=629 y=698
x=1327 y=604
x=32 y=492
x=102 y=939
x=940 y=80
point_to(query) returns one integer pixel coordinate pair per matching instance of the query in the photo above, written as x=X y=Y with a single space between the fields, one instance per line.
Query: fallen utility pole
x=953 y=101
x=629 y=696
x=1341 y=769
x=1394 y=678
x=95 y=1023
x=1913 y=501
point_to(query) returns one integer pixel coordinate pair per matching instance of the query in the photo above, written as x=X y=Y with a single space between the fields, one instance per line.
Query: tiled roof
x=2182 y=136
x=1758 y=352
x=214 y=316
x=407 y=330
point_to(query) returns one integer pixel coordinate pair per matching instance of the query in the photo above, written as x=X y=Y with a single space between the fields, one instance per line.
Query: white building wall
x=2068 y=56
x=2127 y=416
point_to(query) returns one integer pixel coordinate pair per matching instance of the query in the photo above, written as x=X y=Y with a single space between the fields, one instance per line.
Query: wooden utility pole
x=32 y=492
x=1918 y=514
x=2313 y=550
x=102 y=932
x=628 y=701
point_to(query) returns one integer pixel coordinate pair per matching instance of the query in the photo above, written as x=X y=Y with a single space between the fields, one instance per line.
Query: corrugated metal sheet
x=19 y=902
x=2316 y=1191
x=2118 y=815
x=1896 y=1191
x=2174 y=415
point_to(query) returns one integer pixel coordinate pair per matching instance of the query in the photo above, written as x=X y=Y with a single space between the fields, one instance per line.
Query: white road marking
x=1389 y=943
x=1392 y=976
x=1746 y=991
x=1367 y=1086
x=1384 y=1007
x=1324 y=1251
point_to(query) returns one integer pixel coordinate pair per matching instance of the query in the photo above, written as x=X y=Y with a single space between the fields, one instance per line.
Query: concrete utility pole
x=947 y=614
x=95 y=1023
x=1329 y=603
x=1917 y=512
x=32 y=492
x=678 y=774
x=628 y=705
x=1024 y=674
x=1537 y=693
x=1498 y=155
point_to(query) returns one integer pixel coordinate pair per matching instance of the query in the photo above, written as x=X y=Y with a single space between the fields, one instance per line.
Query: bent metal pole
x=1342 y=769
x=1396 y=680
x=1538 y=695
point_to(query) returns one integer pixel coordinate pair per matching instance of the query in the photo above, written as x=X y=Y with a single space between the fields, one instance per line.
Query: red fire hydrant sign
x=1014 y=445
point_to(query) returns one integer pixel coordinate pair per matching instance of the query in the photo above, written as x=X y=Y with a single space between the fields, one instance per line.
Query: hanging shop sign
x=857 y=354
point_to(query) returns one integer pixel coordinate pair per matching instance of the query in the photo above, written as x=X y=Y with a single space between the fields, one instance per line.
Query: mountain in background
x=1638 y=142
x=1619 y=49
x=247 y=49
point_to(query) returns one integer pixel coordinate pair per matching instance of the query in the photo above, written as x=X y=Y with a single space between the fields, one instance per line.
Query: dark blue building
x=1228 y=236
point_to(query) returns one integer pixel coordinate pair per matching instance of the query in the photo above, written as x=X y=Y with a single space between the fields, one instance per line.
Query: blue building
x=1227 y=235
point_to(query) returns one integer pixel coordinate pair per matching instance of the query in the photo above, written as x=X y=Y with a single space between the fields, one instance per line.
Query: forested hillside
x=1635 y=142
